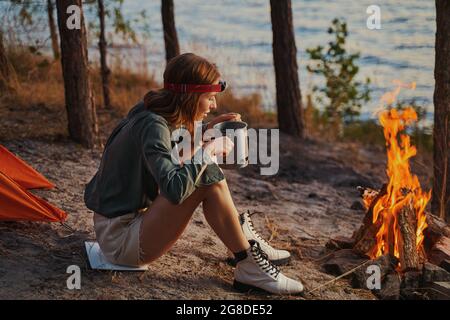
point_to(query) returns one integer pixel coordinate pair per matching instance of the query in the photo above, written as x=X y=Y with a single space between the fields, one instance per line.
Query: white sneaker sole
x=245 y=288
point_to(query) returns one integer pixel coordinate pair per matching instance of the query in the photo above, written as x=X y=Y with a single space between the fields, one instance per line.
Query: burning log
x=409 y=257
x=367 y=194
x=365 y=237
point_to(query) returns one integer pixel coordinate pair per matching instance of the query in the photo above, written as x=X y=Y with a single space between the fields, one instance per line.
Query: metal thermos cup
x=237 y=132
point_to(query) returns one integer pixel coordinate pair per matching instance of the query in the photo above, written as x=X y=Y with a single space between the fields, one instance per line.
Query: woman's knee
x=217 y=188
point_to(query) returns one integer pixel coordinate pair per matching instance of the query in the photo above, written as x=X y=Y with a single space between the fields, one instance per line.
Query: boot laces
x=252 y=228
x=263 y=260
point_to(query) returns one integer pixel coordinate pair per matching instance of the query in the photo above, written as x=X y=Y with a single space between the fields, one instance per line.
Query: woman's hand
x=232 y=116
x=221 y=146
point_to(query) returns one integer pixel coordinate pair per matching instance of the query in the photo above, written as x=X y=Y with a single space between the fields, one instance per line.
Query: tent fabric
x=16 y=202
x=21 y=172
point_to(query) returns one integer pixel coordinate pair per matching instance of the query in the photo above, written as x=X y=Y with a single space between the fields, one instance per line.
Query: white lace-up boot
x=277 y=257
x=256 y=272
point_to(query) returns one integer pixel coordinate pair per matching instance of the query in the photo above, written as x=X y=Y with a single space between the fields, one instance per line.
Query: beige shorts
x=118 y=238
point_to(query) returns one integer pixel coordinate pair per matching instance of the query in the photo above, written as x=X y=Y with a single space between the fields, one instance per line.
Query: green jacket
x=136 y=166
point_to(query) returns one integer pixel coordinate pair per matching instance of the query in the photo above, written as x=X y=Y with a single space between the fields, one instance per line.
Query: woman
x=143 y=200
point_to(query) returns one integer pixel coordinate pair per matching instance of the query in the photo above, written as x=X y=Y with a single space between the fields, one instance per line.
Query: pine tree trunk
x=80 y=105
x=8 y=79
x=52 y=27
x=289 y=99
x=170 y=32
x=441 y=134
x=103 y=65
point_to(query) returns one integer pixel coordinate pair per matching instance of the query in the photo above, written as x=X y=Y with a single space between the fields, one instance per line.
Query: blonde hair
x=182 y=108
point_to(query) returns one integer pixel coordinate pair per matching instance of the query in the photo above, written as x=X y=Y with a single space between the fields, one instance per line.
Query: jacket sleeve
x=176 y=182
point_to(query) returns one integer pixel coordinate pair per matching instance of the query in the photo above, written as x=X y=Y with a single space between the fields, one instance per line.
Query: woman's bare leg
x=164 y=222
x=222 y=216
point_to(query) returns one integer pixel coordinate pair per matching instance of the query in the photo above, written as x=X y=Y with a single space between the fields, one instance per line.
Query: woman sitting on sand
x=143 y=200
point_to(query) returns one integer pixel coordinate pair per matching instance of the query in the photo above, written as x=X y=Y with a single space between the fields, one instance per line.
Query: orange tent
x=16 y=203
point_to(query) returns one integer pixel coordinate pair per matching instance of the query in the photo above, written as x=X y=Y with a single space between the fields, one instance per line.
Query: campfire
x=396 y=214
x=408 y=244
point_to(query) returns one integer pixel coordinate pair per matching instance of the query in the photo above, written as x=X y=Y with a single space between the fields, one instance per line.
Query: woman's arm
x=175 y=182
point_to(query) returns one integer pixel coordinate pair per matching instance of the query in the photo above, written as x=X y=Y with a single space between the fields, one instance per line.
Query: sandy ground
x=300 y=208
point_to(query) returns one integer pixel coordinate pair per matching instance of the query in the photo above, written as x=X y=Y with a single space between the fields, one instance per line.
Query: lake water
x=237 y=35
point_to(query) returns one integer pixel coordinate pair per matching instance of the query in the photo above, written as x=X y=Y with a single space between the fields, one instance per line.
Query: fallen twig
x=339 y=277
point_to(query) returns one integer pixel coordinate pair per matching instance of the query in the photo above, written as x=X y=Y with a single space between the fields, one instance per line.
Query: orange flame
x=403 y=187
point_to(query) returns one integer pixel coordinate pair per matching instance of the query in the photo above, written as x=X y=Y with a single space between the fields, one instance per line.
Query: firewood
x=440 y=251
x=390 y=288
x=445 y=264
x=432 y=273
x=365 y=237
x=342 y=261
x=437 y=228
x=367 y=194
x=411 y=282
x=440 y=291
x=358 y=206
x=409 y=258
x=387 y=265
x=368 y=219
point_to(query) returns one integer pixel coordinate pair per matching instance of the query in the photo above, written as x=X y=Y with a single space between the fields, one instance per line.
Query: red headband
x=187 y=87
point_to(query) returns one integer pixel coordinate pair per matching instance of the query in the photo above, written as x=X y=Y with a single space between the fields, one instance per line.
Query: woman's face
x=207 y=102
